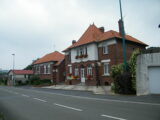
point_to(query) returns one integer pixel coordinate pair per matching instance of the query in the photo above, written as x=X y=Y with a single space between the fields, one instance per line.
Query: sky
x=32 y=28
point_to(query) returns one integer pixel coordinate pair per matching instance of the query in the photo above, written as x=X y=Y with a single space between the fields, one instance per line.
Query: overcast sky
x=33 y=28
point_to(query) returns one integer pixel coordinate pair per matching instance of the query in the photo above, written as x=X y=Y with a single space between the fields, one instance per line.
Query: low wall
x=142 y=78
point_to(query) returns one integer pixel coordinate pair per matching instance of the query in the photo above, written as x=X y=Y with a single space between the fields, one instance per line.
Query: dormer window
x=105 y=49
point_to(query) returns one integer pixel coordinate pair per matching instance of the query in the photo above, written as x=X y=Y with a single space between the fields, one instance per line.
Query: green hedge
x=35 y=80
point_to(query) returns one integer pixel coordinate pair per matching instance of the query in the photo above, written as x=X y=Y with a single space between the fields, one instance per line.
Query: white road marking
x=99 y=99
x=40 y=99
x=68 y=107
x=25 y=95
x=117 y=118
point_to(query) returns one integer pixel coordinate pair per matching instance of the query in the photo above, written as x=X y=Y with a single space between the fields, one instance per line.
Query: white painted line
x=98 y=99
x=25 y=95
x=117 y=118
x=40 y=99
x=68 y=107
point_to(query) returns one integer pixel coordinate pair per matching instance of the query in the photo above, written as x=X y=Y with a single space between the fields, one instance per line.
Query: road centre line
x=67 y=107
x=40 y=99
x=100 y=99
x=117 y=118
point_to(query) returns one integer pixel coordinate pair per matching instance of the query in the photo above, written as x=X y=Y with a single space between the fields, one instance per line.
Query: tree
x=29 y=67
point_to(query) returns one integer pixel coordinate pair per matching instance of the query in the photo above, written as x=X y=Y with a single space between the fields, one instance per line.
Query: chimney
x=101 y=29
x=73 y=42
x=120 y=23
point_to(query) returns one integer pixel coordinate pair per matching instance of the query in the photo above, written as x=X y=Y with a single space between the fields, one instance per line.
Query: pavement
x=94 y=89
x=17 y=103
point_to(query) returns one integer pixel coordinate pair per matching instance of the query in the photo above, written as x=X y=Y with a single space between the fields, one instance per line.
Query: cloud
x=31 y=28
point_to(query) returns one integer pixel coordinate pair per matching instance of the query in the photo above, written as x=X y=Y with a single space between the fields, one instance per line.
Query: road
x=37 y=104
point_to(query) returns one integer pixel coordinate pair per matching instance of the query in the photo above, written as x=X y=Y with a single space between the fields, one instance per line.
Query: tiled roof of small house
x=54 y=56
x=22 y=72
x=94 y=34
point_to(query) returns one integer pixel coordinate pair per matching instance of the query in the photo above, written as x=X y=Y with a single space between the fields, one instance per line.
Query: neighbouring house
x=50 y=66
x=19 y=76
x=89 y=60
x=148 y=72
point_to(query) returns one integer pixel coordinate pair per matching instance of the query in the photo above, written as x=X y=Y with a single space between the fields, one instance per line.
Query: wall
x=143 y=62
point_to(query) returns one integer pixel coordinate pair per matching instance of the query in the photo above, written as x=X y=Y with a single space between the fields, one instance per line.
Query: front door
x=82 y=75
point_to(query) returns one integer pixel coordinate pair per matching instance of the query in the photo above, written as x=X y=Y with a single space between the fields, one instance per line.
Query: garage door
x=154 y=80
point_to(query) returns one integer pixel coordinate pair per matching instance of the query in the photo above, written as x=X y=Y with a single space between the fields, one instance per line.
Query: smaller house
x=19 y=76
x=51 y=66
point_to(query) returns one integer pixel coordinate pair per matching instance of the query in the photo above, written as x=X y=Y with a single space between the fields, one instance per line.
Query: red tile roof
x=54 y=56
x=22 y=72
x=93 y=34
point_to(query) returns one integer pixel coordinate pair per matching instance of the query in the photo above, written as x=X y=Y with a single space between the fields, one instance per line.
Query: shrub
x=132 y=67
x=125 y=81
x=34 y=80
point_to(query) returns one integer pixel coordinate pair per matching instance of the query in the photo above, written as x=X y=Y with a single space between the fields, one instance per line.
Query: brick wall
x=91 y=81
x=115 y=54
x=60 y=77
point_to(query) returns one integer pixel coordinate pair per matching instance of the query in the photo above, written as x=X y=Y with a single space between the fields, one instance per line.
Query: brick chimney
x=101 y=29
x=73 y=42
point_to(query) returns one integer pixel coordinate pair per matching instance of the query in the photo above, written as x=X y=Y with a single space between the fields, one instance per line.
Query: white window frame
x=38 y=69
x=70 y=69
x=76 y=72
x=44 y=69
x=89 y=70
x=106 y=69
x=81 y=51
x=49 y=69
x=105 y=49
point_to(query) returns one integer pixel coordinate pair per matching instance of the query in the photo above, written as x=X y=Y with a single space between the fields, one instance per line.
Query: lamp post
x=123 y=37
x=13 y=69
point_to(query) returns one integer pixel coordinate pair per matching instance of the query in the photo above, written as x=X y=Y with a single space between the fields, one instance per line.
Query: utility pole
x=123 y=37
x=13 y=69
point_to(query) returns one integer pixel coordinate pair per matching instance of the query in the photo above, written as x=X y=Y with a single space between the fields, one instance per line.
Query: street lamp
x=123 y=37
x=13 y=69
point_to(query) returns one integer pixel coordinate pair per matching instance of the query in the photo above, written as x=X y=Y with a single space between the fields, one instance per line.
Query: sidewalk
x=94 y=89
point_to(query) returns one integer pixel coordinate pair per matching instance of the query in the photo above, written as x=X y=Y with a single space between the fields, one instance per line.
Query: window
x=76 y=71
x=81 y=51
x=86 y=50
x=70 y=69
x=44 y=69
x=89 y=70
x=106 y=68
x=77 y=52
x=69 y=56
x=48 y=70
x=37 y=69
x=105 y=49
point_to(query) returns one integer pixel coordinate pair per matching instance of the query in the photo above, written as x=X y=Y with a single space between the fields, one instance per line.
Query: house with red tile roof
x=19 y=76
x=89 y=60
x=51 y=66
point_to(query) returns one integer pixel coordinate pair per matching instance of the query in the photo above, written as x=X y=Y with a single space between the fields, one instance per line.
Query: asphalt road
x=42 y=104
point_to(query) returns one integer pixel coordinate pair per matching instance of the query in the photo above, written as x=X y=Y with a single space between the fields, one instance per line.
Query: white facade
x=13 y=78
x=107 y=42
x=92 y=52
